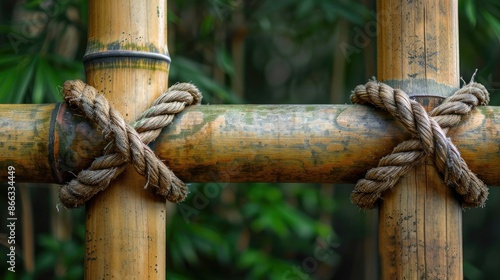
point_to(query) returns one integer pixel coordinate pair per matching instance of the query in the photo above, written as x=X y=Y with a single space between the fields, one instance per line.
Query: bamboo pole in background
x=125 y=225
x=420 y=225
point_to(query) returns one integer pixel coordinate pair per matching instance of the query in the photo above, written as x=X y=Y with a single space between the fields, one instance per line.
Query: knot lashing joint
x=429 y=141
x=128 y=144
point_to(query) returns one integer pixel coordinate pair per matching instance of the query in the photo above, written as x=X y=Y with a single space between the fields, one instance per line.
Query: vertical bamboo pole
x=126 y=60
x=420 y=220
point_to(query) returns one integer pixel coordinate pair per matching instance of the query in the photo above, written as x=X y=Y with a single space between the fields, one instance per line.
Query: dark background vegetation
x=264 y=51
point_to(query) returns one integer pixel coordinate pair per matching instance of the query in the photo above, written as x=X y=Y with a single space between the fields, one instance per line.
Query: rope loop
x=429 y=141
x=128 y=144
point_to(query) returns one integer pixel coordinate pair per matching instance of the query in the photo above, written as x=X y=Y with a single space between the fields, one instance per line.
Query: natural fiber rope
x=429 y=132
x=127 y=145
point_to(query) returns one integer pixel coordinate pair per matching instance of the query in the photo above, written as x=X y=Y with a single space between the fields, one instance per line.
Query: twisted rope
x=128 y=144
x=429 y=140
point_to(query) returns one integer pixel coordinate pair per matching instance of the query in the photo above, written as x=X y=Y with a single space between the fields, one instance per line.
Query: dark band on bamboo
x=73 y=143
x=53 y=158
x=418 y=88
x=127 y=54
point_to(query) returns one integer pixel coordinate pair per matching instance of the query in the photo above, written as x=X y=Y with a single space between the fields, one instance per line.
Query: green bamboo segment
x=239 y=143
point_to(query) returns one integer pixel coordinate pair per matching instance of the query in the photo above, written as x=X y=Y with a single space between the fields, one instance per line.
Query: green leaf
x=46 y=261
x=184 y=69
x=38 y=86
x=25 y=75
x=270 y=219
x=74 y=271
x=172 y=17
x=250 y=209
x=304 y=9
x=7 y=61
x=249 y=258
x=49 y=243
x=472 y=272
x=470 y=11
x=187 y=250
x=53 y=82
x=265 y=193
x=493 y=22
x=207 y=25
x=301 y=224
x=224 y=61
x=7 y=84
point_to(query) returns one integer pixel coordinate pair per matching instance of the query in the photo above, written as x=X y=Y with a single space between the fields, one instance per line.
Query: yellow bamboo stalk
x=125 y=226
x=420 y=220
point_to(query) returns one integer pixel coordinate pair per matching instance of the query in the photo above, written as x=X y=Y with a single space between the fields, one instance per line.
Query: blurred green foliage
x=282 y=51
x=248 y=235
x=31 y=69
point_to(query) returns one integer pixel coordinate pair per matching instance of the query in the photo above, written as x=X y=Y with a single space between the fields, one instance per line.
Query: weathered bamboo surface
x=420 y=219
x=125 y=226
x=239 y=143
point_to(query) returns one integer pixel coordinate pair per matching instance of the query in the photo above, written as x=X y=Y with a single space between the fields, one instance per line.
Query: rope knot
x=128 y=144
x=429 y=141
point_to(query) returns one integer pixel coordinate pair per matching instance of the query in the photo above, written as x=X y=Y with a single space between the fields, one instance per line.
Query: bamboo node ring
x=127 y=144
x=429 y=141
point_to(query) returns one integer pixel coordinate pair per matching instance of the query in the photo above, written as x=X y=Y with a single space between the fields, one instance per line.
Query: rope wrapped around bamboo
x=128 y=144
x=429 y=141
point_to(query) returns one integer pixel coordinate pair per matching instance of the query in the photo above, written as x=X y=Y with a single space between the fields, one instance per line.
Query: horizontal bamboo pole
x=239 y=143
